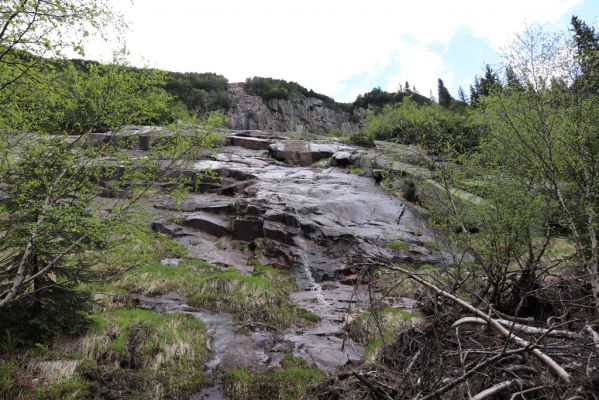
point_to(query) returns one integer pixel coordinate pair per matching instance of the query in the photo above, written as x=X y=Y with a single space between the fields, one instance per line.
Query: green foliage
x=378 y=99
x=361 y=139
x=434 y=127
x=399 y=245
x=445 y=98
x=269 y=88
x=290 y=382
x=138 y=336
x=200 y=93
x=56 y=228
x=365 y=327
x=8 y=372
x=107 y=97
x=69 y=389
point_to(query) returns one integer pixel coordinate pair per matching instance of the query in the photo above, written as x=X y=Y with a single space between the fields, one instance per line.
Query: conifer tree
x=443 y=94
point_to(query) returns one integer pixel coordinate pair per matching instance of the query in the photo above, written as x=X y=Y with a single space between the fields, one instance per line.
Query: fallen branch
x=553 y=366
x=521 y=393
x=496 y=389
x=375 y=390
x=471 y=371
x=522 y=328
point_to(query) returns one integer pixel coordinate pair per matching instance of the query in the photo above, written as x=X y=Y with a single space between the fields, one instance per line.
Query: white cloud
x=320 y=44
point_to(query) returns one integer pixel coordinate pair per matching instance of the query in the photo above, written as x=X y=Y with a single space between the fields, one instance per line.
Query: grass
x=128 y=353
x=74 y=388
x=147 y=339
x=258 y=298
x=398 y=245
x=356 y=170
x=391 y=320
x=289 y=382
x=162 y=350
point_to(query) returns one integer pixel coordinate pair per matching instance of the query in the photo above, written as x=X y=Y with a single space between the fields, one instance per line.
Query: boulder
x=250 y=142
x=301 y=153
x=341 y=159
x=212 y=224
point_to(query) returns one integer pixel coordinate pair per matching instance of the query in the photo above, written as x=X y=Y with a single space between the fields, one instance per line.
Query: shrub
x=434 y=127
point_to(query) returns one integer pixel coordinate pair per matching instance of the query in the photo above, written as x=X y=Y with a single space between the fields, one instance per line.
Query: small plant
x=398 y=245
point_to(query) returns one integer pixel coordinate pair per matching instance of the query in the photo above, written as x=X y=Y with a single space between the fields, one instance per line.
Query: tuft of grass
x=145 y=339
x=8 y=386
x=73 y=388
x=364 y=328
x=291 y=381
x=146 y=354
x=282 y=278
x=356 y=170
x=398 y=245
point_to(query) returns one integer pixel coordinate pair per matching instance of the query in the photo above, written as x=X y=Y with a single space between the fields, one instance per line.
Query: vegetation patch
x=398 y=245
x=289 y=382
x=258 y=298
x=368 y=327
x=134 y=345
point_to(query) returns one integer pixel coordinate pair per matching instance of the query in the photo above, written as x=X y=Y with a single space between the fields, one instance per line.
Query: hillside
x=170 y=235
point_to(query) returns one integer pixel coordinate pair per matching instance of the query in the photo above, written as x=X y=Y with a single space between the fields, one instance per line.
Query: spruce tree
x=443 y=94
x=462 y=95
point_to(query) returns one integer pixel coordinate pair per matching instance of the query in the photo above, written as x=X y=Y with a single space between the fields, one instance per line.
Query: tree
x=546 y=137
x=58 y=228
x=462 y=96
x=445 y=98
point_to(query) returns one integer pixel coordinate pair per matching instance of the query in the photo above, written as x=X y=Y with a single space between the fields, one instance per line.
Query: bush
x=290 y=382
x=269 y=88
x=434 y=127
x=200 y=93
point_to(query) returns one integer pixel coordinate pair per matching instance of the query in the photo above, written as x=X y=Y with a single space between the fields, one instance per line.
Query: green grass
x=289 y=382
x=399 y=245
x=8 y=373
x=356 y=170
x=391 y=320
x=74 y=388
x=162 y=350
x=259 y=298
x=143 y=334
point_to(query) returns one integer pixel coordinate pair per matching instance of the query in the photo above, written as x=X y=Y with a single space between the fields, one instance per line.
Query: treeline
x=270 y=88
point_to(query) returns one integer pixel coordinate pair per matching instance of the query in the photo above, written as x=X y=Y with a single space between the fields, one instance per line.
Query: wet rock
x=377 y=175
x=167 y=228
x=298 y=152
x=213 y=224
x=278 y=232
x=341 y=159
x=250 y=142
x=248 y=229
x=282 y=217
x=211 y=203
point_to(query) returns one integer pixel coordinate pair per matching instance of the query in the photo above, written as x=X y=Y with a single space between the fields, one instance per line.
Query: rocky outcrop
x=298 y=114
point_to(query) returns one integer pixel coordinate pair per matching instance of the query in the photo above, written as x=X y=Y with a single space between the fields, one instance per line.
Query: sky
x=340 y=48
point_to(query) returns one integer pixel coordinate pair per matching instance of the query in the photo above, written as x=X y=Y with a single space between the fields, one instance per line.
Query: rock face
x=298 y=114
x=260 y=198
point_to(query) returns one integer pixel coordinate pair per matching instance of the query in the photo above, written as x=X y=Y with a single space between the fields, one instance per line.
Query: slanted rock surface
x=261 y=198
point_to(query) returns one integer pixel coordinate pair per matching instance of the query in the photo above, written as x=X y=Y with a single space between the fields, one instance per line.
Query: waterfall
x=304 y=265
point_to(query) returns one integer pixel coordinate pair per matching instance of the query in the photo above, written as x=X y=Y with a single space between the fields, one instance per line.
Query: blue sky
x=337 y=47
